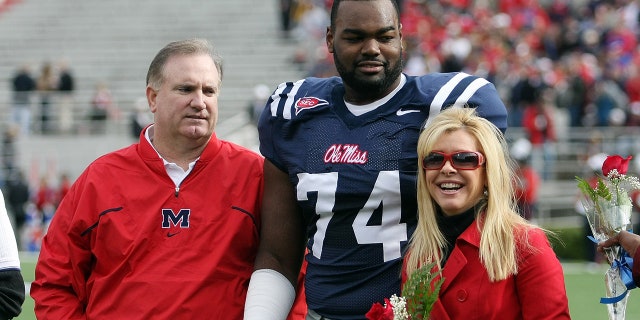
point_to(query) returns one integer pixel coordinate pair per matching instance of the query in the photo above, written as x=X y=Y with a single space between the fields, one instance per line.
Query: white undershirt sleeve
x=270 y=296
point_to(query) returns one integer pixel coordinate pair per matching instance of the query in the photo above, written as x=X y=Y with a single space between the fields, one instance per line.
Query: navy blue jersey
x=355 y=178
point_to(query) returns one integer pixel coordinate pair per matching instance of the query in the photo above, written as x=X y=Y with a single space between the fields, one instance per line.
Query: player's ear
x=329 y=40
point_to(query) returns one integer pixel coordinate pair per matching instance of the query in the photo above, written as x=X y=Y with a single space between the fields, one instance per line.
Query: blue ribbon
x=624 y=265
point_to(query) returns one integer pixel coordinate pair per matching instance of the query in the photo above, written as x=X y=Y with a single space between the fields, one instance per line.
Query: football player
x=340 y=168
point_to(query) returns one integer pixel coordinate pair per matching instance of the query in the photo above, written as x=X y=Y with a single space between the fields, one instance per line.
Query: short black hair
x=336 y=4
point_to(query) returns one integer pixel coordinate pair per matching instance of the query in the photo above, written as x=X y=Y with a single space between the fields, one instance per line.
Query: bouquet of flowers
x=608 y=209
x=418 y=297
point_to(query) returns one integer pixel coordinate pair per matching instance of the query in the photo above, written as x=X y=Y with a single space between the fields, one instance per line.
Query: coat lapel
x=457 y=260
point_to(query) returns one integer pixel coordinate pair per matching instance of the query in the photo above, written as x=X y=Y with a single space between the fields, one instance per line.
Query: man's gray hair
x=182 y=47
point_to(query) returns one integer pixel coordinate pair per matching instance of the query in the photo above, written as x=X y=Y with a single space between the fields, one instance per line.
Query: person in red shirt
x=45 y=200
x=63 y=188
x=527 y=181
x=166 y=228
x=466 y=225
x=538 y=124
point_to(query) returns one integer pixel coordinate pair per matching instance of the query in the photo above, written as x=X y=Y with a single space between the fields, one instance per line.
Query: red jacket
x=536 y=292
x=125 y=243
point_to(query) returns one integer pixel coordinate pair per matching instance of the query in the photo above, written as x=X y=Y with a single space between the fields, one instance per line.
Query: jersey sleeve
x=444 y=90
x=270 y=118
x=490 y=106
x=277 y=115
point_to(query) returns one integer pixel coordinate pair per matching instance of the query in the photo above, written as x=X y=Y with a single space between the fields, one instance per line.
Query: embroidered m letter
x=170 y=218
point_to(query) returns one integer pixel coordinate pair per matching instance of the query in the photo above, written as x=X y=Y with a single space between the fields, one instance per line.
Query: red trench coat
x=536 y=292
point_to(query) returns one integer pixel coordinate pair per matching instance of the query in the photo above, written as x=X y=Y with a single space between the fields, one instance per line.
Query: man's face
x=366 y=44
x=186 y=104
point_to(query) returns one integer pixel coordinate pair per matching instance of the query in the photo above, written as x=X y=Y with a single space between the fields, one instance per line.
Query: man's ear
x=151 y=98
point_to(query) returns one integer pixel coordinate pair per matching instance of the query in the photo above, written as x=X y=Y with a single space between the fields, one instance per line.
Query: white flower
x=399 y=305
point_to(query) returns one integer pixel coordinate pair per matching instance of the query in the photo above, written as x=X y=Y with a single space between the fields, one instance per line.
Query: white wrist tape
x=270 y=296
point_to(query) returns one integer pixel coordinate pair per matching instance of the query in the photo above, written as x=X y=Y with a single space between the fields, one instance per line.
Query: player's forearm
x=288 y=266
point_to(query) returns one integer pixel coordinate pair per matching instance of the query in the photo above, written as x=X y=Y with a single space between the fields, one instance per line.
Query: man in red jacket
x=166 y=228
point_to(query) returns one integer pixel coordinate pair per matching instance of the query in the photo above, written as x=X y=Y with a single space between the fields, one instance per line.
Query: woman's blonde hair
x=497 y=215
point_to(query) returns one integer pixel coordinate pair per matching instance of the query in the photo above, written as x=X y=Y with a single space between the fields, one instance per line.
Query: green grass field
x=585 y=286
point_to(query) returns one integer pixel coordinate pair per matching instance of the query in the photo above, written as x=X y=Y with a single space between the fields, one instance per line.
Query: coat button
x=462 y=295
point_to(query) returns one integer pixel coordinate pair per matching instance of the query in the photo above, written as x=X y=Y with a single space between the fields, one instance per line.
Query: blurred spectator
x=416 y=60
x=102 y=105
x=63 y=187
x=609 y=104
x=632 y=89
x=525 y=93
x=286 y=9
x=538 y=123
x=23 y=86
x=46 y=84
x=455 y=48
x=9 y=153
x=311 y=26
x=141 y=117
x=261 y=93
x=527 y=181
x=323 y=66
x=18 y=195
x=632 y=85
x=65 y=107
x=45 y=200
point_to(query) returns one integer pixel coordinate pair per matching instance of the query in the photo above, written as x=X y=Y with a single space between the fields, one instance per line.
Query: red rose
x=379 y=312
x=615 y=162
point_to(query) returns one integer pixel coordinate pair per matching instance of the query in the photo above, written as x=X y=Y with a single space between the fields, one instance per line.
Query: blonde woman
x=496 y=265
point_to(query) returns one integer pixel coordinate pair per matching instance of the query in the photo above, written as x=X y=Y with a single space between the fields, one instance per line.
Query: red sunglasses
x=461 y=160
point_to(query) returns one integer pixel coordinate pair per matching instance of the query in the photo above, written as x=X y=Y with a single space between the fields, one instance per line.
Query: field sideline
x=584 y=282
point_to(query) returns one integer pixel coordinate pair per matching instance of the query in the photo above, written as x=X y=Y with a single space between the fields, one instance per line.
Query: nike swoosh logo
x=402 y=112
x=169 y=234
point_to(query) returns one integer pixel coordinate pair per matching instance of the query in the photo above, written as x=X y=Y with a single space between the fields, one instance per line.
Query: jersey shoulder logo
x=306 y=103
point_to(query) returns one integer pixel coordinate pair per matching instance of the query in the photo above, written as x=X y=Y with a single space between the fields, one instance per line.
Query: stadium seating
x=114 y=41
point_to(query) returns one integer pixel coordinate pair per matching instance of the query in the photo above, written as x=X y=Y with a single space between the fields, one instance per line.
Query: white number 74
x=386 y=193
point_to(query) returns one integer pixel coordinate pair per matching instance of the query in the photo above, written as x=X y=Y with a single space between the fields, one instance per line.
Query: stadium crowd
x=557 y=64
x=578 y=56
